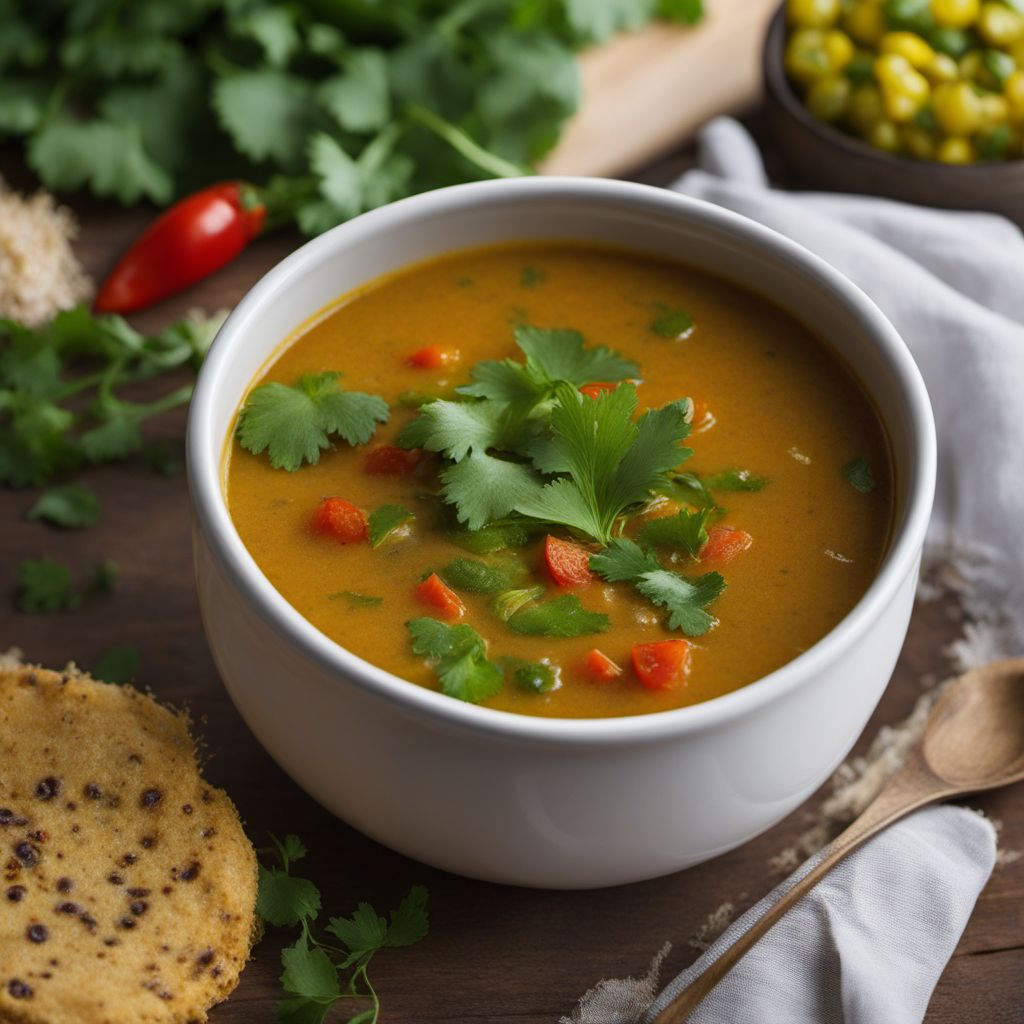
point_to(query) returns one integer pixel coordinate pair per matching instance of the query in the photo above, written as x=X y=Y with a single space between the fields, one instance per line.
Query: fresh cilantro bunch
x=60 y=395
x=331 y=108
x=317 y=974
x=523 y=441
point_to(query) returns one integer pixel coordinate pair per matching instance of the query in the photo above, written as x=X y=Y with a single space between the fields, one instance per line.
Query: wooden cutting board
x=644 y=93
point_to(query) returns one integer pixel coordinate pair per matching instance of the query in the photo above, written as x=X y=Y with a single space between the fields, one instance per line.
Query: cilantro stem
x=73 y=387
x=463 y=144
x=169 y=401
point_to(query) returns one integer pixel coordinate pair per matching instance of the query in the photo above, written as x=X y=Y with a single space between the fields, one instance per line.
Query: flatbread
x=127 y=885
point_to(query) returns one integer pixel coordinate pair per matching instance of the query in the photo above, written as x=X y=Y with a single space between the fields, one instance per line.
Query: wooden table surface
x=494 y=953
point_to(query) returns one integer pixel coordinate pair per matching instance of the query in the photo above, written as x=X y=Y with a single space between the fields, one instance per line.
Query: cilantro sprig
x=459 y=655
x=685 y=599
x=293 y=424
x=319 y=975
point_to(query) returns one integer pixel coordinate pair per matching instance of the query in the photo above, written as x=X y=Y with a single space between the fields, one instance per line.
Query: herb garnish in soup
x=563 y=480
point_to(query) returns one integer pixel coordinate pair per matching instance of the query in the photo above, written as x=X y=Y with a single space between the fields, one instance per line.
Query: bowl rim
x=779 y=89
x=204 y=451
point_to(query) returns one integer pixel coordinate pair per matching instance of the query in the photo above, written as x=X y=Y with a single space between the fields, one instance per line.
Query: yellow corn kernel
x=828 y=98
x=908 y=45
x=917 y=142
x=998 y=25
x=839 y=49
x=812 y=13
x=955 y=13
x=885 y=135
x=1013 y=90
x=955 y=150
x=806 y=60
x=865 y=108
x=941 y=68
x=957 y=108
x=904 y=90
x=865 y=22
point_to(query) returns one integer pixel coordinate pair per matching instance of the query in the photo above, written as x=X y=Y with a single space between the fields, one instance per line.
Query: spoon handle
x=913 y=786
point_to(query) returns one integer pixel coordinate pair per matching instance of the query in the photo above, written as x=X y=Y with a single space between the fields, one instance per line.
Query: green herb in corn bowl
x=921 y=100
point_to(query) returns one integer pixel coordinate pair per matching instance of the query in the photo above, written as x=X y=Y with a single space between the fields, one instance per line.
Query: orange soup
x=563 y=480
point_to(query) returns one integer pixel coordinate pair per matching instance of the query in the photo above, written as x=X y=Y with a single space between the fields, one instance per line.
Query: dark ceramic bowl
x=827 y=158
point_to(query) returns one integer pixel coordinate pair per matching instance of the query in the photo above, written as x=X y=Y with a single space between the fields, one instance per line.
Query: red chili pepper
x=195 y=237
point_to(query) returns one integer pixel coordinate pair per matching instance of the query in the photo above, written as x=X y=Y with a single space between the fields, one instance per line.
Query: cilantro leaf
x=688 y=12
x=359 y=100
x=459 y=655
x=507 y=603
x=308 y=972
x=455 y=428
x=475 y=577
x=70 y=505
x=563 y=616
x=362 y=934
x=117 y=665
x=859 y=476
x=409 y=922
x=532 y=676
x=686 y=600
x=493 y=537
x=613 y=462
x=735 y=480
x=44 y=586
x=293 y=424
x=285 y=900
x=484 y=488
x=385 y=520
x=685 y=530
x=290 y=849
x=676 y=324
x=690 y=488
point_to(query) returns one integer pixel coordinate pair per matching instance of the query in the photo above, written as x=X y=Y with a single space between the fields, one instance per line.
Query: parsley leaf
x=613 y=462
x=686 y=599
x=385 y=520
x=563 y=616
x=116 y=665
x=70 y=505
x=859 y=476
x=293 y=424
x=459 y=655
x=735 y=480
x=685 y=530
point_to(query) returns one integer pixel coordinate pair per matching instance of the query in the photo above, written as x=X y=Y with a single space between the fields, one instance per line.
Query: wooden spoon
x=973 y=740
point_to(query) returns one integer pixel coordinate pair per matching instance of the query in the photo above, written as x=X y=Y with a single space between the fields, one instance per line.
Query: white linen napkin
x=869 y=942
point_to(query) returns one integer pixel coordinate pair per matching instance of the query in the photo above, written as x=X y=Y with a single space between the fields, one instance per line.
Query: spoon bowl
x=974 y=738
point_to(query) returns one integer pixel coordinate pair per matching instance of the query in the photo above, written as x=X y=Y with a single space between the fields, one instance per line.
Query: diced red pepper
x=390 y=460
x=599 y=668
x=724 y=544
x=436 y=594
x=662 y=665
x=598 y=388
x=433 y=357
x=568 y=563
x=340 y=519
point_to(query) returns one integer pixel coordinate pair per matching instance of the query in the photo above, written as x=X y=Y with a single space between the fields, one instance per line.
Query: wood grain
x=494 y=954
x=644 y=92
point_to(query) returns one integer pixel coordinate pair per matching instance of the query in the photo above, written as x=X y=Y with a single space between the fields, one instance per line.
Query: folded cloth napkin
x=868 y=944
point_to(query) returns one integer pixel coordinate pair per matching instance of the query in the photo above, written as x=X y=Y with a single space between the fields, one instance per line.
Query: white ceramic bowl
x=557 y=803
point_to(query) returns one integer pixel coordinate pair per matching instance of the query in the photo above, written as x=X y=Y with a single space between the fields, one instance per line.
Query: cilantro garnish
x=532 y=276
x=293 y=424
x=385 y=520
x=563 y=617
x=735 y=480
x=314 y=971
x=611 y=461
x=671 y=323
x=355 y=600
x=45 y=585
x=859 y=476
x=685 y=599
x=685 y=530
x=532 y=676
x=69 y=505
x=479 y=577
x=459 y=655
x=116 y=665
x=508 y=602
